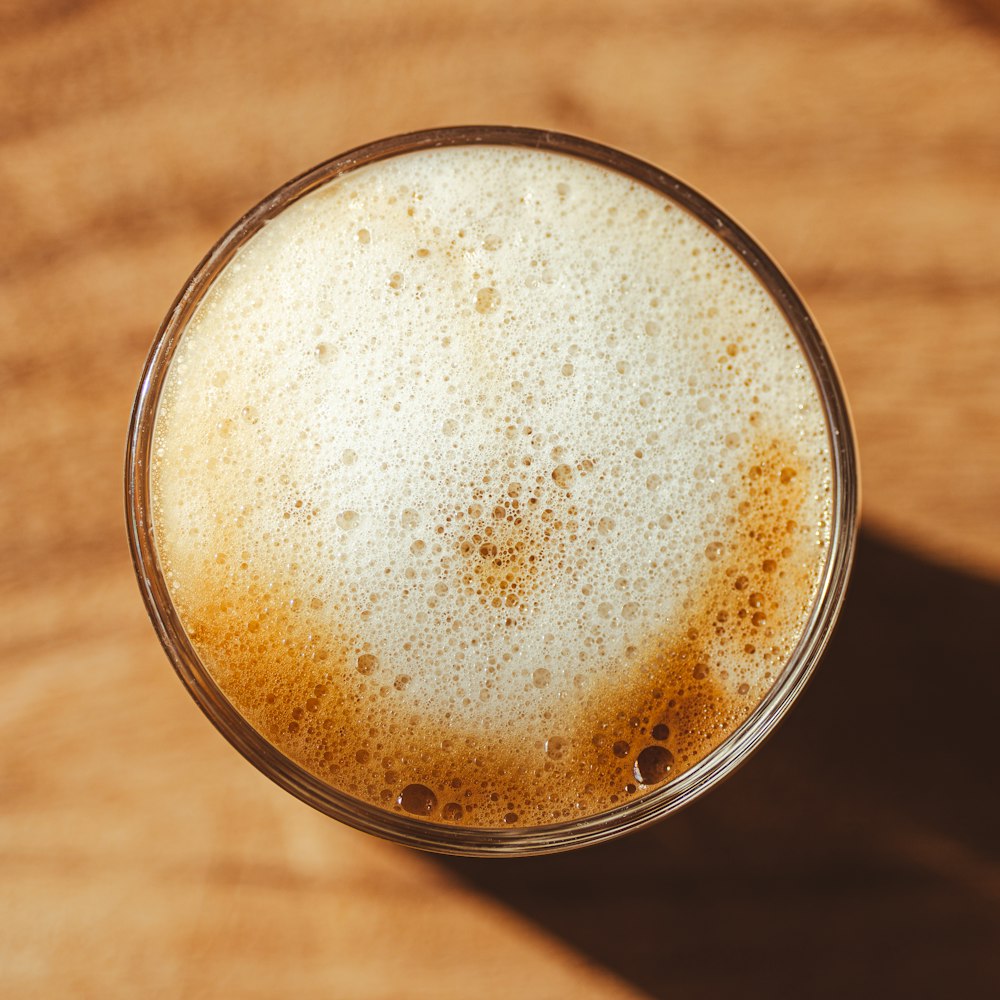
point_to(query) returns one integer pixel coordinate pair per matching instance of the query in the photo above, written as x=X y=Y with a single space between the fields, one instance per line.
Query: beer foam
x=491 y=486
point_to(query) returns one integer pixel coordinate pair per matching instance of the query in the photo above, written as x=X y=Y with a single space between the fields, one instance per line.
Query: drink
x=491 y=487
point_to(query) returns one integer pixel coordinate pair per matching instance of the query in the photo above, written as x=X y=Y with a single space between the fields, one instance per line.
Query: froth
x=490 y=486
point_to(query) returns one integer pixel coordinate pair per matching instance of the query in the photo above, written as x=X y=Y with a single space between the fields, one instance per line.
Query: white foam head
x=476 y=466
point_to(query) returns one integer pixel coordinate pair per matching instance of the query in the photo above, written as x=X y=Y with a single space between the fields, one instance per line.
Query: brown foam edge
x=293 y=673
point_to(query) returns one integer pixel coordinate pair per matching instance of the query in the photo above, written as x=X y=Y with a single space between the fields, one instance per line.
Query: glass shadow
x=856 y=853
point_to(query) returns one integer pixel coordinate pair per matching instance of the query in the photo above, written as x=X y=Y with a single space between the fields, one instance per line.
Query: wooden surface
x=859 y=140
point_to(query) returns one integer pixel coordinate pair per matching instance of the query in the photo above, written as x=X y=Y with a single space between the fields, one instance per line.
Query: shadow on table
x=855 y=854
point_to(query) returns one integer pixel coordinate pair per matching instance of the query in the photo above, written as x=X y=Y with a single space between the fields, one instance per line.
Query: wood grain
x=859 y=141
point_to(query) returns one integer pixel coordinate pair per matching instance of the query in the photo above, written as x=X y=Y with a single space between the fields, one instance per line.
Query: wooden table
x=857 y=854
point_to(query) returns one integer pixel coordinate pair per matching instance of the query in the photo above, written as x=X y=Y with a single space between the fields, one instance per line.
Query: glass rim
x=481 y=841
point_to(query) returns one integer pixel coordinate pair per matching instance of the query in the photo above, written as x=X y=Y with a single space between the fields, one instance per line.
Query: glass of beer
x=491 y=490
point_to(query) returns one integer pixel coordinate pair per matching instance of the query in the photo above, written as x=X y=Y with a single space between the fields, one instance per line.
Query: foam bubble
x=487 y=489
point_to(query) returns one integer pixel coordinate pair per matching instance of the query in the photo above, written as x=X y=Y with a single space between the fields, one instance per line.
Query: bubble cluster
x=491 y=487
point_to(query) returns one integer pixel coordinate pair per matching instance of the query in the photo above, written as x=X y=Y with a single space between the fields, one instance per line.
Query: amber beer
x=498 y=485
